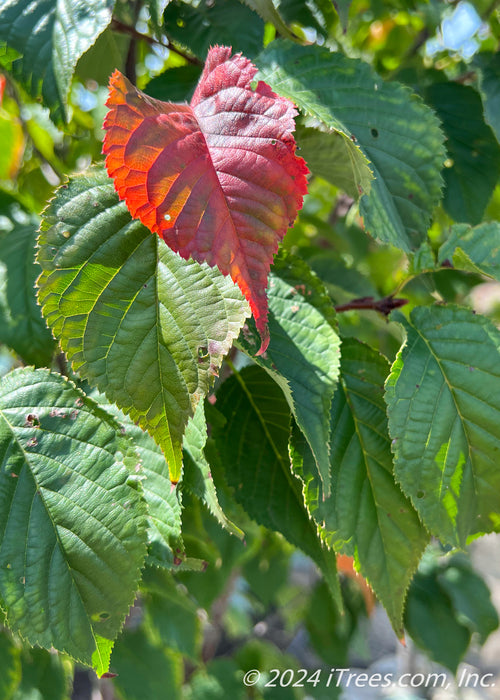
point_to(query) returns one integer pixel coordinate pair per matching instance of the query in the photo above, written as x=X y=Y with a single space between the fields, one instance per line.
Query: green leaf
x=22 y=326
x=72 y=522
x=489 y=88
x=147 y=327
x=257 y=465
x=314 y=14
x=173 y=614
x=333 y=156
x=303 y=354
x=220 y=679
x=175 y=85
x=470 y=596
x=165 y=545
x=156 y=10
x=443 y=398
x=473 y=164
x=367 y=515
x=51 y=35
x=10 y=663
x=44 y=677
x=432 y=624
x=145 y=669
x=269 y=13
x=206 y=24
x=197 y=475
x=475 y=249
x=382 y=122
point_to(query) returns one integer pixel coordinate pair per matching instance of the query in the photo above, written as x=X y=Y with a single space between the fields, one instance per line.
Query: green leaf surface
x=145 y=669
x=443 y=398
x=44 y=677
x=257 y=465
x=72 y=523
x=470 y=596
x=333 y=157
x=22 y=326
x=10 y=665
x=165 y=545
x=148 y=328
x=367 y=515
x=269 y=13
x=175 y=85
x=432 y=624
x=51 y=35
x=475 y=249
x=173 y=614
x=206 y=24
x=197 y=475
x=303 y=354
x=382 y=122
x=489 y=88
x=313 y=14
x=473 y=164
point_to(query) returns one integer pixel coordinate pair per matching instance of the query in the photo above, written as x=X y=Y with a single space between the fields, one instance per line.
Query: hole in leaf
x=374 y=133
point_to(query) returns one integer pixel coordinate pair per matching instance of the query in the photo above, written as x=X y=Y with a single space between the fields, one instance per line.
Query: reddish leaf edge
x=123 y=95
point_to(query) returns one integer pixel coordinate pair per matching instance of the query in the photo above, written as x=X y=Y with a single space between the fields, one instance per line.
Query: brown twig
x=383 y=306
x=122 y=28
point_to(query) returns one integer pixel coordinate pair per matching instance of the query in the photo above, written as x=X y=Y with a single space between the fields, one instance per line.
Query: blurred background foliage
x=263 y=604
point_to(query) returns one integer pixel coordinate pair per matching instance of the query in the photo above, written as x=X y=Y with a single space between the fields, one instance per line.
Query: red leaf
x=218 y=179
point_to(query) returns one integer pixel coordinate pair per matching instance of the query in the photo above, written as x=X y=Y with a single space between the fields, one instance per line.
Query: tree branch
x=122 y=28
x=383 y=306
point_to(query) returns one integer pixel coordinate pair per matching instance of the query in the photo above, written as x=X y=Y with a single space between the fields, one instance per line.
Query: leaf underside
x=218 y=180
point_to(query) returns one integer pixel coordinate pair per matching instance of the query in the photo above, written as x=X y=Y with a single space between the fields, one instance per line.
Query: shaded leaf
x=206 y=24
x=443 y=398
x=475 y=249
x=432 y=624
x=333 y=156
x=172 y=613
x=303 y=355
x=51 y=35
x=10 y=663
x=218 y=179
x=72 y=520
x=197 y=475
x=174 y=85
x=367 y=515
x=147 y=327
x=44 y=677
x=314 y=14
x=257 y=465
x=489 y=88
x=470 y=596
x=22 y=326
x=344 y=96
x=473 y=164
x=269 y=13
x=145 y=669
